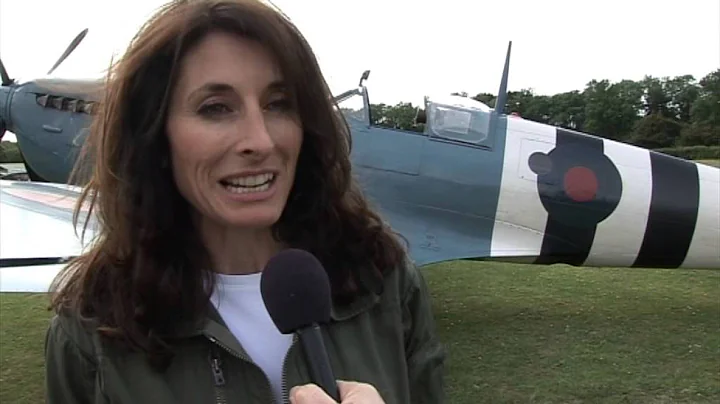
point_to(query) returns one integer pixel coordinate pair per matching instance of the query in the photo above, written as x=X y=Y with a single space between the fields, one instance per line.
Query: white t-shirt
x=239 y=302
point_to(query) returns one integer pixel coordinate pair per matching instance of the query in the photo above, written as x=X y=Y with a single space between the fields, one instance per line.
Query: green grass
x=23 y=321
x=520 y=333
x=714 y=163
x=516 y=333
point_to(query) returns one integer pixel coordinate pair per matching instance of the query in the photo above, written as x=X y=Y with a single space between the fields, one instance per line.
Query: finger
x=362 y=392
x=345 y=387
x=309 y=394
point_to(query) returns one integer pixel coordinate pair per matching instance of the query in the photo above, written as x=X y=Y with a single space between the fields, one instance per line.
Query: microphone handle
x=318 y=361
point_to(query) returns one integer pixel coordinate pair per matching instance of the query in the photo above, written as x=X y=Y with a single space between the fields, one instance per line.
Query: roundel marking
x=580 y=184
x=579 y=187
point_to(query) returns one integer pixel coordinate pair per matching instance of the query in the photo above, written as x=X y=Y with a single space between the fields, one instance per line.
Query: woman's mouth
x=248 y=184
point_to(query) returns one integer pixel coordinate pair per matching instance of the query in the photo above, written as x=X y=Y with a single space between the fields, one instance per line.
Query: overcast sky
x=413 y=47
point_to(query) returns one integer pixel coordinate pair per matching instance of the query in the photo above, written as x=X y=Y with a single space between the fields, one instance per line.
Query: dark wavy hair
x=143 y=278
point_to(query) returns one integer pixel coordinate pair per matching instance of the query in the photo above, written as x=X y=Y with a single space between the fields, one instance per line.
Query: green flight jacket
x=388 y=341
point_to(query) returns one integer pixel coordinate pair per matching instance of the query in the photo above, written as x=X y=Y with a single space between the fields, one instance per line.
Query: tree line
x=654 y=113
x=677 y=115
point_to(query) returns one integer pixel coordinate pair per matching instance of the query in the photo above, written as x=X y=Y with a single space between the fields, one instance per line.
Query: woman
x=216 y=146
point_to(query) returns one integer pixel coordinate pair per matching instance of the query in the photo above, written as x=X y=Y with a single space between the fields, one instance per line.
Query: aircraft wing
x=37 y=234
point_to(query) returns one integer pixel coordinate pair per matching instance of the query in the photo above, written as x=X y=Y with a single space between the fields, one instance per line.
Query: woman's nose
x=253 y=135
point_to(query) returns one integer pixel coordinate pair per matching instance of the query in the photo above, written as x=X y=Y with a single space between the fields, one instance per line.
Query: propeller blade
x=4 y=74
x=69 y=49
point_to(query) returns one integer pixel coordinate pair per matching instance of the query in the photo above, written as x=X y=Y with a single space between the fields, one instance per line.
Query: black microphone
x=296 y=292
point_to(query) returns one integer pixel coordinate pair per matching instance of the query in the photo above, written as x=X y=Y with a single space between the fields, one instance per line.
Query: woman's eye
x=279 y=105
x=214 y=109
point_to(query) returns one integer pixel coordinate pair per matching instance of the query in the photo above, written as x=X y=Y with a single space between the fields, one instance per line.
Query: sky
x=412 y=47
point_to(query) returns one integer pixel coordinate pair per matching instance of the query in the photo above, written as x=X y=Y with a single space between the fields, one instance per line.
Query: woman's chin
x=255 y=218
x=259 y=209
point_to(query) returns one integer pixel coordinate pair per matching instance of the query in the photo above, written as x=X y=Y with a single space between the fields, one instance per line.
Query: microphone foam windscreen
x=296 y=290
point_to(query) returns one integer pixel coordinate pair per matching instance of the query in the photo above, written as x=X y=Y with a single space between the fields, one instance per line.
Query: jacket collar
x=214 y=324
x=214 y=328
x=358 y=306
x=217 y=330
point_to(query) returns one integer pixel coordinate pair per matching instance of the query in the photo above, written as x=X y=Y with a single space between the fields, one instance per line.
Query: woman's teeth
x=256 y=183
x=244 y=190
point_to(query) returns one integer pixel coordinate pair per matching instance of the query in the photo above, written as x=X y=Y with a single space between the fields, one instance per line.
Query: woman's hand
x=350 y=393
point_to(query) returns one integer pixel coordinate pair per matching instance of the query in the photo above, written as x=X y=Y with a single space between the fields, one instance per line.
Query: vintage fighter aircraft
x=477 y=184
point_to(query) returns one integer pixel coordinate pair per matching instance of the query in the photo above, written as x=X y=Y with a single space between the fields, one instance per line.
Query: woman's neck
x=236 y=251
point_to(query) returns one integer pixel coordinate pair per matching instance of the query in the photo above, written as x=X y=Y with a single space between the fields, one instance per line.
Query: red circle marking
x=581 y=184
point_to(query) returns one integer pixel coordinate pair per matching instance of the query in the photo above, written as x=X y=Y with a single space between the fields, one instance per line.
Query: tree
x=705 y=109
x=655 y=131
x=399 y=116
x=683 y=92
x=612 y=110
x=568 y=110
x=486 y=98
x=655 y=112
x=704 y=128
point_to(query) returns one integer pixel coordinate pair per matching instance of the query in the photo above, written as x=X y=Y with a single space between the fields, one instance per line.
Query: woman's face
x=234 y=133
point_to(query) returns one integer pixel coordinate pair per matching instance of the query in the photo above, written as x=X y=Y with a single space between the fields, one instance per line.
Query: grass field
x=714 y=163
x=560 y=334
x=516 y=333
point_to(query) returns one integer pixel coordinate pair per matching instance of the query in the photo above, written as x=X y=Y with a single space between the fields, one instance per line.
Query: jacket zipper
x=218 y=373
x=285 y=392
x=218 y=376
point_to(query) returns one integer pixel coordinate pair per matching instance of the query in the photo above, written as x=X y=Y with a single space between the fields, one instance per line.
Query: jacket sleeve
x=70 y=370
x=424 y=352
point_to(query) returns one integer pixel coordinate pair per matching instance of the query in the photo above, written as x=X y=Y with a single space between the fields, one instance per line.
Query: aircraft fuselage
x=475 y=184
x=531 y=192
x=50 y=119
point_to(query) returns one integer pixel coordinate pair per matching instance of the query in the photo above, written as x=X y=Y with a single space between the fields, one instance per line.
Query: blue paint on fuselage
x=49 y=137
x=441 y=196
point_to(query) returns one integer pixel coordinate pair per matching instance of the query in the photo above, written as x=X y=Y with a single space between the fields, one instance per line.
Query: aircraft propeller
x=4 y=75
x=74 y=44
x=9 y=82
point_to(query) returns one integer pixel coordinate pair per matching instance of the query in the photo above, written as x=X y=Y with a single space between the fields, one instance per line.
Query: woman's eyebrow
x=210 y=88
x=277 y=86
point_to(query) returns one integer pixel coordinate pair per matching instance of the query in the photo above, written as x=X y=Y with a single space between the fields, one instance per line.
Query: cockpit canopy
x=455 y=117
x=450 y=117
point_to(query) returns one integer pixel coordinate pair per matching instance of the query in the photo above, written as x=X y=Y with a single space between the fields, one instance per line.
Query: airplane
x=49 y=118
x=477 y=184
